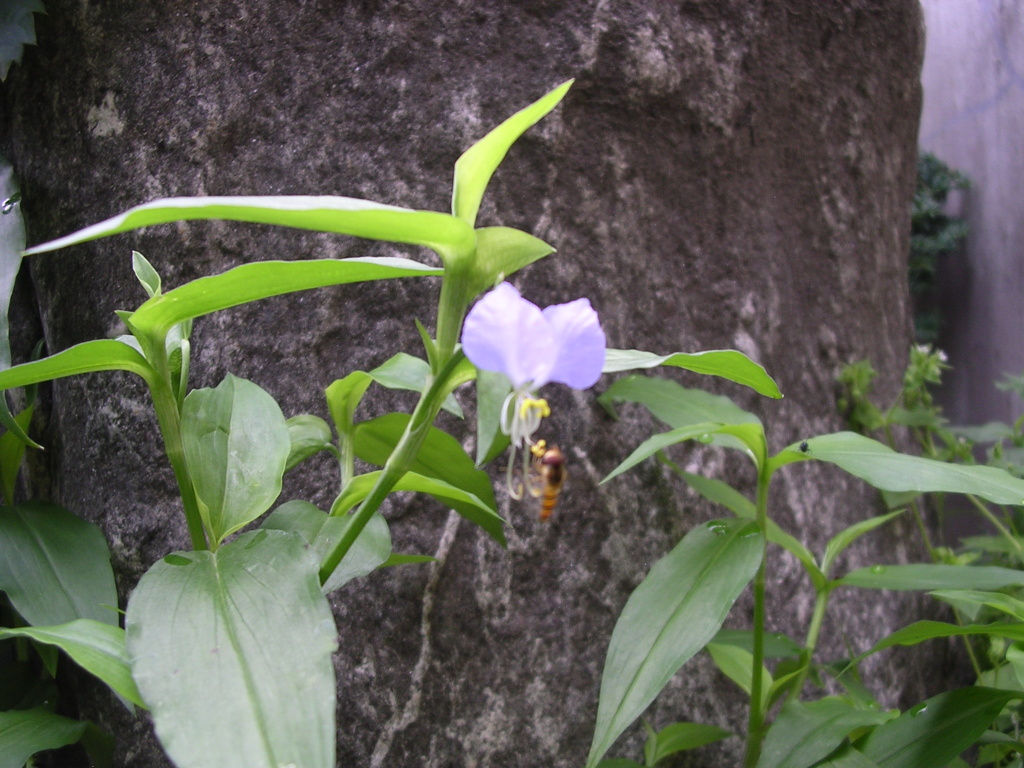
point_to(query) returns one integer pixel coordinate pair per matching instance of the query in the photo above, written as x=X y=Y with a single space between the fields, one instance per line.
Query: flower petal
x=581 y=343
x=506 y=333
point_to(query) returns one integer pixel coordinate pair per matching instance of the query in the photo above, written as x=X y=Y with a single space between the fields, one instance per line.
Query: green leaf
x=232 y=653
x=500 y=253
x=474 y=169
x=96 y=647
x=996 y=600
x=440 y=232
x=680 y=737
x=12 y=236
x=12 y=450
x=55 y=567
x=236 y=446
x=88 y=357
x=343 y=397
x=441 y=456
x=24 y=732
x=491 y=390
x=652 y=445
x=887 y=470
x=619 y=762
x=736 y=663
x=920 y=631
x=410 y=373
x=674 y=612
x=465 y=503
x=726 y=363
x=776 y=644
x=927 y=576
x=674 y=404
x=370 y=551
x=307 y=435
x=934 y=732
x=838 y=543
x=260 y=280
x=803 y=734
x=148 y=276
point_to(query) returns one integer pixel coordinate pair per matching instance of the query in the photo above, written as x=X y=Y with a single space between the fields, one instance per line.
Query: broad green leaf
x=725 y=363
x=848 y=757
x=491 y=390
x=343 y=397
x=440 y=457
x=887 y=470
x=992 y=432
x=674 y=404
x=411 y=373
x=652 y=445
x=680 y=737
x=88 y=357
x=260 y=280
x=934 y=732
x=12 y=242
x=736 y=664
x=921 y=631
x=236 y=446
x=500 y=253
x=928 y=576
x=232 y=652
x=96 y=647
x=474 y=168
x=23 y=732
x=55 y=567
x=997 y=600
x=465 y=503
x=674 y=613
x=370 y=551
x=440 y=232
x=838 y=543
x=776 y=644
x=803 y=734
x=307 y=435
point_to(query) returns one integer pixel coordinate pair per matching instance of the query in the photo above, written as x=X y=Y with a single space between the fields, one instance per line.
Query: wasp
x=547 y=474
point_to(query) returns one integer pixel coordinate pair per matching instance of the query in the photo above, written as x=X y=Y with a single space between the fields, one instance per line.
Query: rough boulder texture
x=723 y=174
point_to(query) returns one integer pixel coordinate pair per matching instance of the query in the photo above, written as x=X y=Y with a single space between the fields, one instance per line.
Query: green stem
x=755 y=727
x=398 y=463
x=987 y=514
x=811 y=642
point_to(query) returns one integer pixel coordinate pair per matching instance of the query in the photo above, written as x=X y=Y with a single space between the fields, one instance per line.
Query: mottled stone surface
x=723 y=174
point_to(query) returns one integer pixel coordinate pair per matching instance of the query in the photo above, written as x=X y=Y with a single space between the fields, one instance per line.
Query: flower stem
x=755 y=727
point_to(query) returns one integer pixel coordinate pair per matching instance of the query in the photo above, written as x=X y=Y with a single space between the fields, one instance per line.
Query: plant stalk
x=755 y=726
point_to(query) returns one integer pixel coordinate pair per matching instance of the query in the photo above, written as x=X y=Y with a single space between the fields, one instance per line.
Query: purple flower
x=563 y=343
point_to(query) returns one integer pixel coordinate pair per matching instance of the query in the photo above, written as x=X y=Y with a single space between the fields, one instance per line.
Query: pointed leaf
x=726 y=363
x=232 y=653
x=148 y=277
x=465 y=503
x=260 y=280
x=838 y=543
x=937 y=730
x=12 y=451
x=674 y=404
x=23 y=732
x=776 y=644
x=736 y=663
x=921 y=631
x=500 y=253
x=368 y=552
x=440 y=232
x=674 y=612
x=928 y=576
x=997 y=600
x=441 y=456
x=803 y=734
x=887 y=470
x=55 y=567
x=411 y=373
x=652 y=445
x=474 y=169
x=12 y=241
x=680 y=737
x=343 y=397
x=88 y=357
x=236 y=445
x=96 y=647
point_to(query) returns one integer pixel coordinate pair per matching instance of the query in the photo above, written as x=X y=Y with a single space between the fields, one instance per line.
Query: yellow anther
x=538 y=405
x=538 y=448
